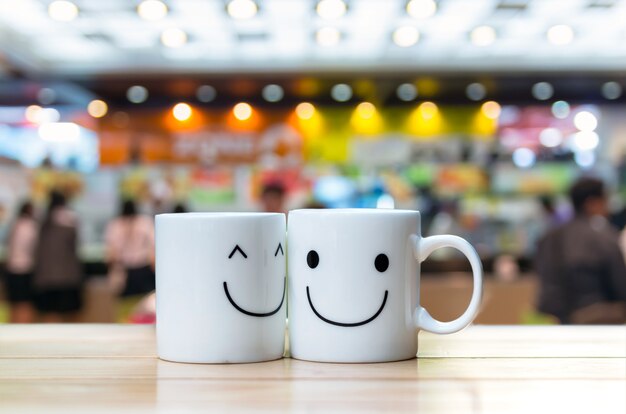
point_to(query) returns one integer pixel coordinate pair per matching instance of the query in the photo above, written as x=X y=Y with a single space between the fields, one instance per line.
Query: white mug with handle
x=354 y=284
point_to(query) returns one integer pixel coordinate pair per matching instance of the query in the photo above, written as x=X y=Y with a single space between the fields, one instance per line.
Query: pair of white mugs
x=352 y=291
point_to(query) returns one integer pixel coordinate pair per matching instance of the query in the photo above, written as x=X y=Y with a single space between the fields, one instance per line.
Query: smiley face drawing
x=238 y=253
x=381 y=264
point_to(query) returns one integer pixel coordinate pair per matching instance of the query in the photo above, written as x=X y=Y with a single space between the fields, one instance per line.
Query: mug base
x=219 y=362
x=337 y=361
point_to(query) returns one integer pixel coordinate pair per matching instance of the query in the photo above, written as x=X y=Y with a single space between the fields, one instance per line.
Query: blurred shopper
x=57 y=279
x=273 y=198
x=180 y=208
x=130 y=252
x=22 y=241
x=553 y=216
x=580 y=265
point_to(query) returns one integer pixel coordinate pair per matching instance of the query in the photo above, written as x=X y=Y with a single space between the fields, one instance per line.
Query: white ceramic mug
x=354 y=284
x=220 y=287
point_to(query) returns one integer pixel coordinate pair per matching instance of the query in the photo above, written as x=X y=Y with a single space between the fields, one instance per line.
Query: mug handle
x=422 y=248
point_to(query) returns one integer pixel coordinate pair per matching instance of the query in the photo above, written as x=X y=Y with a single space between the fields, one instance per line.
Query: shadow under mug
x=354 y=284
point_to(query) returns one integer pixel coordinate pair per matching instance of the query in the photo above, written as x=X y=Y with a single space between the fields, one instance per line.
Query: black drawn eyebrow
x=235 y=250
x=280 y=247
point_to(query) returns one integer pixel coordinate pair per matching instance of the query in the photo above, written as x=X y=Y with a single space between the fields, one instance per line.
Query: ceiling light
x=585 y=121
x=137 y=94
x=483 y=36
x=406 y=92
x=206 y=93
x=551 y=137
x=152 y=10
x=62 y=11
x=560 y=35
x=97 y=108
x=560 y=109
x=273 y=93
x=542 y=91
x=611 y=90
x=173 y=37
x=182 y=111
x=421 y=9
x=341 y=92
x=305 y=110
x=406 y=36
x=328 y=36
x=491 y=109
x=523 y=157
x=475 y=91
x=59 y=132
x=585 y=140
x=331 y=9
x=366 y=110
x=46 y=96
x=242 y=9
x=242 y=111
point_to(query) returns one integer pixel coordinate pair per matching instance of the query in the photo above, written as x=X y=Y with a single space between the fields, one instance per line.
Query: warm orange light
x=305 y=110
x=242 y=111
x=491 y=109
x=97 y=108
x=182 y=111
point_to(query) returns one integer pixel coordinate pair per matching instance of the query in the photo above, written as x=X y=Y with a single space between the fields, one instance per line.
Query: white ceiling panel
x=110 y=36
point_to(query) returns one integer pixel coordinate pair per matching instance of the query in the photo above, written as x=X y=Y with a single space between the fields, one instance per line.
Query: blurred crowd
x=580 y=260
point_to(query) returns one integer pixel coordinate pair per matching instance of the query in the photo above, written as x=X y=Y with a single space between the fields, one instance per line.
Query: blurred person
x=129 y=241
x=180 y=208
x=581 y=268
x=553 y=215
x=273 y=198
x=57 y=278
x=22 y=240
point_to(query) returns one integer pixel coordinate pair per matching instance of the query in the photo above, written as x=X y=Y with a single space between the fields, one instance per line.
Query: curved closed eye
x=279 y=249
x=235 y=250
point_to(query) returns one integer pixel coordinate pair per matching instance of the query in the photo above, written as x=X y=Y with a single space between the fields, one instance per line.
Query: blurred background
x=481 y=114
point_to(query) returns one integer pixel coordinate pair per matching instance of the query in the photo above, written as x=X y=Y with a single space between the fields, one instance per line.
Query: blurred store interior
x=480 y=114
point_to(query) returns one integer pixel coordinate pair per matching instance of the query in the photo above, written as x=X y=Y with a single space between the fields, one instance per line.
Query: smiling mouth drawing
x=258 y=315
x=346 y=325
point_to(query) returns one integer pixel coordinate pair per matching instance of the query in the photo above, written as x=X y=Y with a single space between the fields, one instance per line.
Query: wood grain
x=496 y=369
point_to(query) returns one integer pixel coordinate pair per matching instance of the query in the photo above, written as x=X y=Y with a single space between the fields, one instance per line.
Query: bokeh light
x=406 y=36
x=97 y=108
x=305 y=110
x=62 y=10
x=182 y=111
x=524 y=158
x=152 y=10
x=242 y=9
x=421 y=9
x=585 y=121
x=331 y=9
x=491 y=109
x=242 y=111
x=483 y=36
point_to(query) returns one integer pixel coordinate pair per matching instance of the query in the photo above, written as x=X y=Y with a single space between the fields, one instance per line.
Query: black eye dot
x=381 y=263
x=312 y=259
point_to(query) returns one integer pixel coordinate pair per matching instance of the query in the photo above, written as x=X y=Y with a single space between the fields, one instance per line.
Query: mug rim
x=219 y=214
x=352 y=211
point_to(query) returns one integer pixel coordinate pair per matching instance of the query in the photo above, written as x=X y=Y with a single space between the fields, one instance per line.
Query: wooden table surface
x=483 y=369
